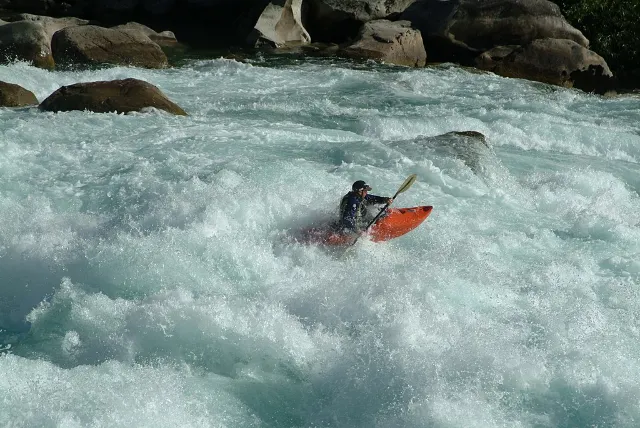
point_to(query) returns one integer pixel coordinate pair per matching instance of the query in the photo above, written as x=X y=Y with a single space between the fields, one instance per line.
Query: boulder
x=122 y=96
x=458 y=30
x=336 y=21
x=392 y=42
x=91 y=44
x=25 y=40
x=471 y=147
x=164 y=38
x=50 y=25
x=281 y=24
x=556 y=61
x=15 y=96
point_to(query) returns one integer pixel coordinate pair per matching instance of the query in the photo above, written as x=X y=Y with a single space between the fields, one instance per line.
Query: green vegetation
x=612 y=26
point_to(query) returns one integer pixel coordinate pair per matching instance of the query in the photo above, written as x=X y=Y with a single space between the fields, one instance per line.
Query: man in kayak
x=353 y=207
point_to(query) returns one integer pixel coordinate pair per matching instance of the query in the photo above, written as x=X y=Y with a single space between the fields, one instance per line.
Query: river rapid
x=148 y=277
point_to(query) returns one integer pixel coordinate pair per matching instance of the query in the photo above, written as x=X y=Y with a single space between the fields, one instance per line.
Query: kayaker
x=353 y=207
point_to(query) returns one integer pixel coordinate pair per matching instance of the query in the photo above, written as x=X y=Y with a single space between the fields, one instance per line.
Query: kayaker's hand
x=389 y=201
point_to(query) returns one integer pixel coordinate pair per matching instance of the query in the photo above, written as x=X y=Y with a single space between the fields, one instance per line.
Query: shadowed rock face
x=15 y=96
x=207 y=23
x=97 y=45
x=556 y=61
x=364 y=10
x=335 y=21
x=122 y=96
x=390 y=42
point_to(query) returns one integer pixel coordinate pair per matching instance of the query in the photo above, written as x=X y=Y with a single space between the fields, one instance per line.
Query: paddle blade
x=407 y=183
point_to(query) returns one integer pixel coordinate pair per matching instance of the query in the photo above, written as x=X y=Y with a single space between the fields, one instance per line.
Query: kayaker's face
x=363 y=192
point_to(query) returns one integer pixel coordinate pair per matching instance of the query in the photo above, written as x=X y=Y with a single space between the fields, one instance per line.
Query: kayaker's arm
x=373 y=199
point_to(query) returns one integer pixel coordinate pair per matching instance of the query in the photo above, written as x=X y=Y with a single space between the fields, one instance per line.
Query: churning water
x=147 y=278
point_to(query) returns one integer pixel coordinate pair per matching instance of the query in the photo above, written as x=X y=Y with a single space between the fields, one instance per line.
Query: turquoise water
x=147 y=277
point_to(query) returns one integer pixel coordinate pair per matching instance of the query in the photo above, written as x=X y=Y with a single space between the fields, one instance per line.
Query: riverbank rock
x=555 y=61
x=50 y=25
x=12 y=95
x=458 y=30
x=122 y=96
x=281 y=25
x=25 y=41
x=391 y=42
x=90 y=44
x=163 y=39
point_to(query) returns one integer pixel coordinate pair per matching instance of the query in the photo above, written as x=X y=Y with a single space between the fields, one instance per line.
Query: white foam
x=148 y=252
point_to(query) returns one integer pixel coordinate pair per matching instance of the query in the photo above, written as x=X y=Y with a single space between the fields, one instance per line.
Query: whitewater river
x=148 y=277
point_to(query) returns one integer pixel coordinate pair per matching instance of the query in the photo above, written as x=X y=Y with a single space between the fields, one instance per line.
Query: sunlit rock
x=458 y=30
x=164 y=38
x=12 y=95
x=122 y=96
x=391 y=42
x=558 y=62
x=25 y=41
x=281 y=24
x=91 y=44
x=50 y=25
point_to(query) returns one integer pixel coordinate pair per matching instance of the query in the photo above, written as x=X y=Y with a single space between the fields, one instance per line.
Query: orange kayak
x=397 y=222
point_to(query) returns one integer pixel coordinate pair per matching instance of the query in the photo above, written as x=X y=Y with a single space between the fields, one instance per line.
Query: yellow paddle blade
x=407 y=183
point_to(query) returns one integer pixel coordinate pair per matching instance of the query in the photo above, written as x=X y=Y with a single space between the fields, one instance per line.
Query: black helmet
x=360 y=185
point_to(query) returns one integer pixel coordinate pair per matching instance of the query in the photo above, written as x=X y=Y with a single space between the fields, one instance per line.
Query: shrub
x=613 y=28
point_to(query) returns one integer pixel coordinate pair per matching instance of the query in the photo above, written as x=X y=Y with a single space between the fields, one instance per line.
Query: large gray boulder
x=339 y=20
x=27 y=41
x=91 y=44
x=281 y=25
x=556 y=61
x=457 y=30
x=122 y=96
x=12 y=95
x=392 y=42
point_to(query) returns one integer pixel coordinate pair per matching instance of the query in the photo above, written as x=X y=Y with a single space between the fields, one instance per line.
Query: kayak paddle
x=405 y=186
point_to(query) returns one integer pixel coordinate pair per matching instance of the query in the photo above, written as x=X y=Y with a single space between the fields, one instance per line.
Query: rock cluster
x=515 y=38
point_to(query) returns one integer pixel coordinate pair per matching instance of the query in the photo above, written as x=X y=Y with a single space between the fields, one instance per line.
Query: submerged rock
x=558 y=62
x=468 y=146
x=390 y=42
x=12 y=95
x=91 y=44
x=122 y=96
x=471 y=147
